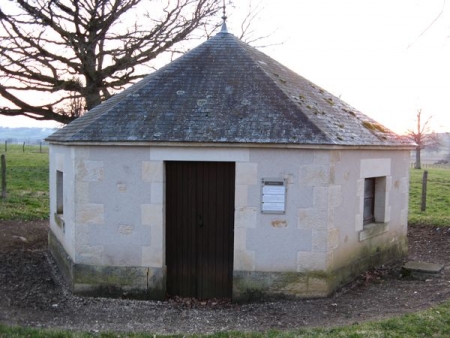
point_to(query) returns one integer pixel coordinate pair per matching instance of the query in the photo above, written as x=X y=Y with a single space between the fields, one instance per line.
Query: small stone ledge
x=421 y=269
x=372 y=230
x=59 y=220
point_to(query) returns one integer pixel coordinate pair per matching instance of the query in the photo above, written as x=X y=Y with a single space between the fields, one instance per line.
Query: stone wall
x=114 y=215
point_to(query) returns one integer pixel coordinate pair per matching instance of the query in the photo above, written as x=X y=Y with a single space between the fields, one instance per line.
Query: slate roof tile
x=225 y=91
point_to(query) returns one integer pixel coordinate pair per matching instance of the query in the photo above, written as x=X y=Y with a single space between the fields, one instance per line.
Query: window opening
x=59 y=193
x=369 y=201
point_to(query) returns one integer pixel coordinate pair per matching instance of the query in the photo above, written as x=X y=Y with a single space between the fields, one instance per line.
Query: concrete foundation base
x=108 y=281
x=257 y=285
x=150 y=283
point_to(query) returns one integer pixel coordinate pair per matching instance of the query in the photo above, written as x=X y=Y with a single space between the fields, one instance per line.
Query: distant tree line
x=25 y=134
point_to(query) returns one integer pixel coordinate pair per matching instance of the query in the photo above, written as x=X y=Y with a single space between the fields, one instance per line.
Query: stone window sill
x=59 y=219
x=372 y=230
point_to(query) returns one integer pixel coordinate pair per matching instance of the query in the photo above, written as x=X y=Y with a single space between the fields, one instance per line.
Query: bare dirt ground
x=33 y=294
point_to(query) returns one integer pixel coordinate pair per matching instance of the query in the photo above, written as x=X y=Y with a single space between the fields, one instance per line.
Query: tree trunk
x=418 y=165
x=93 y=101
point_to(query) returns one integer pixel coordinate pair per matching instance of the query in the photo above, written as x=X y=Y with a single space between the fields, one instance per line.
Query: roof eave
x=231 y=145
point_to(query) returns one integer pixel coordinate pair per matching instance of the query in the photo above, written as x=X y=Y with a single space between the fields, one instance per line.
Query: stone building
x=225 y=174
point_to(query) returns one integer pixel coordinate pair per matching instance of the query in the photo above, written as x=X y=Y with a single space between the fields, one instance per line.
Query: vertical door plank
x=199 y=228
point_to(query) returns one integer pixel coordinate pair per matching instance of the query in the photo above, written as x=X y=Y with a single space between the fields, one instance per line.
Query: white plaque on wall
x=273 y=196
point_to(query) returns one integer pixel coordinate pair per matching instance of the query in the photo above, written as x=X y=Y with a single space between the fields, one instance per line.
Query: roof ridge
x=369 y=123
x=277 y=83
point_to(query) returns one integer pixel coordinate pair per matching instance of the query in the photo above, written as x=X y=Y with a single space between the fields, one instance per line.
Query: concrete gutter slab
x=423 y=267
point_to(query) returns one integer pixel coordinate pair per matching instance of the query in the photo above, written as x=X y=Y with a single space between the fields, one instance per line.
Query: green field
x=27 y=178
x=26 y=183
x=438 y=198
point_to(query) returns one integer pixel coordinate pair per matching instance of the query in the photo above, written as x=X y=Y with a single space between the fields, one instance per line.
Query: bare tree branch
x=86 y=49
x=429 y=26
x=247 y=31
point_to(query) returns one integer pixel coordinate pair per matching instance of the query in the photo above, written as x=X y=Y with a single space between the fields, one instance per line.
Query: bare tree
x=81 y=51
x=423 y=137
x=431 y=24
x=73 y=108
x=245 y=28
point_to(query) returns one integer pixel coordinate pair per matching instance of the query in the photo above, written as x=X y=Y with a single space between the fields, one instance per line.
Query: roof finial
x=224 y=18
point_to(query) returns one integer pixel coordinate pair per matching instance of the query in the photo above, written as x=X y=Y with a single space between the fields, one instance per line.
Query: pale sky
x=378 y=56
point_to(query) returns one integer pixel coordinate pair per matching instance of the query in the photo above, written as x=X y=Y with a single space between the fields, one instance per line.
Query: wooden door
x=199 y=228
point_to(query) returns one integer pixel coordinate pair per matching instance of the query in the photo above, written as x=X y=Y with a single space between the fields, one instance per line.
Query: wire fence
x=41 y=147
x=432 y=166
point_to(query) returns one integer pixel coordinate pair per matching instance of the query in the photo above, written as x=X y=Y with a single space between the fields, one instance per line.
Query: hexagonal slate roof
x=226 y=92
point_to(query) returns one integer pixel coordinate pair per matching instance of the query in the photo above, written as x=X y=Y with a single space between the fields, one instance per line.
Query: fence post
x=424 y=191
x=6 y=146
x=3 y=170
x=23 y=147
x=40 y=147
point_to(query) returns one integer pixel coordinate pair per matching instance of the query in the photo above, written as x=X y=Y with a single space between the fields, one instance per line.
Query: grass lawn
x=27 y=176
